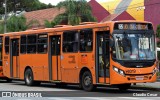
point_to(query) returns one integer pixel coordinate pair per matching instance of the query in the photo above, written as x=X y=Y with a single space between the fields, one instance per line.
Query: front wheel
x=29 y=77
x=87 y=81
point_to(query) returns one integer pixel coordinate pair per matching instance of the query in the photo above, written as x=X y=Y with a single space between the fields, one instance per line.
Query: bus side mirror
x=111 y=43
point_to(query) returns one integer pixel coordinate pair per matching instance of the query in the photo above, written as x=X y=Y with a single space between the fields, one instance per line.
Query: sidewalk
x=151 y=86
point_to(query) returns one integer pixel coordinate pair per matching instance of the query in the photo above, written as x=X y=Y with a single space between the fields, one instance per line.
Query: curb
x=158 y=80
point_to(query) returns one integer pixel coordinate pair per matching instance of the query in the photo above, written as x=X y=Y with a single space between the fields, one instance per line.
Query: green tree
x=158 y=31
x=18 y=23
x=49 y=24
x=158 y=36
x=27 y=5
x=1 y=27
x=77 y=11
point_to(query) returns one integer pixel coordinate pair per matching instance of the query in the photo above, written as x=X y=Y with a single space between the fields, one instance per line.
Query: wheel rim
x=87 y=81
x=28 y=78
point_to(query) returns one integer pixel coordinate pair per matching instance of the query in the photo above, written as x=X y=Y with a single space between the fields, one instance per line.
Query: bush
x=158 y=36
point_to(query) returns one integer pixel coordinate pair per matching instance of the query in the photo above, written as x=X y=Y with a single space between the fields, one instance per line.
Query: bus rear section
x=2 y=76
x=1 y=68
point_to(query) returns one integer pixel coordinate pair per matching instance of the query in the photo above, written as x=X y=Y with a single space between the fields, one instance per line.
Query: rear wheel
x=29 y=77
x=87 y=81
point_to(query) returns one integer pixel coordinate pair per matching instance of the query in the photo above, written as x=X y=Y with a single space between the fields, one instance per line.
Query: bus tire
x=87 y=81
x=124 y=87
x=29 y=77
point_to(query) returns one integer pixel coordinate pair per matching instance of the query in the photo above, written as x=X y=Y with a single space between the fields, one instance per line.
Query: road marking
x=55 y=98
x=95 y=98
x=142 y=98
x=138 y=90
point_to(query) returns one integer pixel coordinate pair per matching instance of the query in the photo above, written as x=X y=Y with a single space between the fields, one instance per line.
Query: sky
x=54 y=2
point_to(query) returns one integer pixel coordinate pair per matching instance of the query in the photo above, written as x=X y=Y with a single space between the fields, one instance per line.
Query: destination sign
x=132 y=26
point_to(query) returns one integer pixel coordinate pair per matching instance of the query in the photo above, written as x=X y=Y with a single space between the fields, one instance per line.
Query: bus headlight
x=115 y=69
x=119 y=71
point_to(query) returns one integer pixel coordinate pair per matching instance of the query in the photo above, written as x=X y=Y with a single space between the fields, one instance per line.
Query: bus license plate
x=139 y=77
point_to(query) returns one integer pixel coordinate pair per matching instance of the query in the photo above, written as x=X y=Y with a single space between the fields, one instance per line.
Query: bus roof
x=69 y=27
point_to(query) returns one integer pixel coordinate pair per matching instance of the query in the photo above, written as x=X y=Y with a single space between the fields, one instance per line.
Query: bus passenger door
x=102 y=57
x=15 y=58
x=54 y=71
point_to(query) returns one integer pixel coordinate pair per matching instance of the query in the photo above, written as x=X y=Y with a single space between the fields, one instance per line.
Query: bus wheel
x=29 y=77
x=87 y=82
x=124 y=87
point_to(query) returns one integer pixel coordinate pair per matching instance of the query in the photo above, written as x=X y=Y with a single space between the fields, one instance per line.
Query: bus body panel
x=69 y=64
x=1 y=71
x=38 y=63
x=133 y=75
x=1 y=56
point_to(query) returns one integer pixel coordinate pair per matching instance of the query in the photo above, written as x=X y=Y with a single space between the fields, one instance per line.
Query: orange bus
x=116 y=53
x=1 y=44
x=1 y=57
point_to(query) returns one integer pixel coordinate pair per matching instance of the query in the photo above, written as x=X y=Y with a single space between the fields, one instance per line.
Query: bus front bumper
x=133 y=78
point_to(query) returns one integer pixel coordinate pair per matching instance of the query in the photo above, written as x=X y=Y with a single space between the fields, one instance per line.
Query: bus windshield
x=134 y=46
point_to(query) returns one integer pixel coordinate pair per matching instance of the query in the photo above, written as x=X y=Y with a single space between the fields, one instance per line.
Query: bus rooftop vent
x=61 y=26
x=36 y=28
x=84 y=23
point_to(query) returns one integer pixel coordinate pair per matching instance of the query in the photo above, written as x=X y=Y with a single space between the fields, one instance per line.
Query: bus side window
x=42 y=43
x=1 y=45
x=31 y=43
x=86 y=40
x=23 y=44
x=70 y=41
x=6 y=45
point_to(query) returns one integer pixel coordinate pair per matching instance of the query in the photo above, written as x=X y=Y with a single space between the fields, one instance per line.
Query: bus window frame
x=75 y=41
x=88 y=29
x=6 y=45
x=24 y=44
x=37 y=44
x=31 y=44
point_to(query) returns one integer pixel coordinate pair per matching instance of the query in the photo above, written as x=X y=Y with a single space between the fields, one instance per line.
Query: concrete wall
x=98 y=11
x=124 y=16
x=152 y=12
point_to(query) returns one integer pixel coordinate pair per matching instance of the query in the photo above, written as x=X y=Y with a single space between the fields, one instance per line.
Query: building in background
x=145 y=10
x=152 y=12
x=40 y=16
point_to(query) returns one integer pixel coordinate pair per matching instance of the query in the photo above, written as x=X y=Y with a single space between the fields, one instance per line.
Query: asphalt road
x=48 y=91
